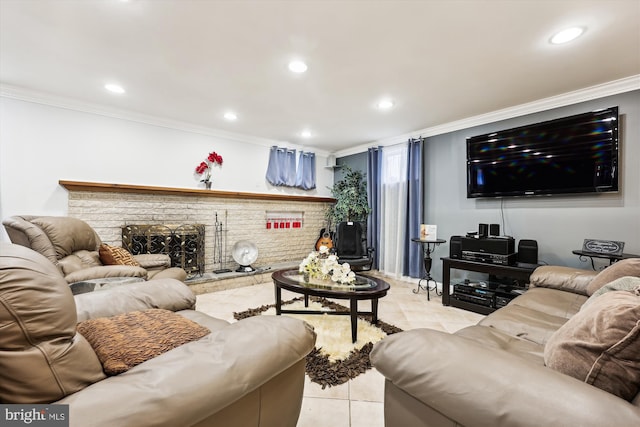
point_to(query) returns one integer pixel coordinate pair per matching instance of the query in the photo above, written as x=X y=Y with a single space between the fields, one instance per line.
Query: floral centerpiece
x=324 y=266
x=204 y=168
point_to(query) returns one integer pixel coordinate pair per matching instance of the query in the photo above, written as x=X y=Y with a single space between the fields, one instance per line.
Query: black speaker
x=483 y=230
x=528 y=251
x=455 y=247
x=494 y=229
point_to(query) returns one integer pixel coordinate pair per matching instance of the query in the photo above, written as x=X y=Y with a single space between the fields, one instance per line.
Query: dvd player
x=490 y=258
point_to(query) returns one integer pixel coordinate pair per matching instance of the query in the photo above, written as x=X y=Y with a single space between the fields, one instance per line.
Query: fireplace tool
x=220 y=244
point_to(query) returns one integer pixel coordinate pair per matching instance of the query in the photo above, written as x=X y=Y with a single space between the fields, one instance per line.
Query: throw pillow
x=626 y=267
x=600 y=345
x=626 y=283
x=112 y=255
x=126 y=340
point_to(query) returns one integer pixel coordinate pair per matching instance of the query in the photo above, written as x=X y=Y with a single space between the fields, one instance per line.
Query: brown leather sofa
x=497 y=373
x=247 y=373
x=72 y=245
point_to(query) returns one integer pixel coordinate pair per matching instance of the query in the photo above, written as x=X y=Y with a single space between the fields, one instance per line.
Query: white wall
x=42 y=144
x=558 y=223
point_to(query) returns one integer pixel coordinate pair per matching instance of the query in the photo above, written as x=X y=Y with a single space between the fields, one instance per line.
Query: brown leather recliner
x=250 y=372
x=72 y=245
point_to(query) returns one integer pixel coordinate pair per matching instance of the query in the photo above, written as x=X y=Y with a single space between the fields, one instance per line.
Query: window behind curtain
x=394 y=206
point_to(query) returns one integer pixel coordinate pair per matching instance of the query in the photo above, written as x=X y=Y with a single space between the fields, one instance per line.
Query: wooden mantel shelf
x=144 y=189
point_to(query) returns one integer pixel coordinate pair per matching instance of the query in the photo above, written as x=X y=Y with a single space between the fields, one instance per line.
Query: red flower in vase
x=204 y=168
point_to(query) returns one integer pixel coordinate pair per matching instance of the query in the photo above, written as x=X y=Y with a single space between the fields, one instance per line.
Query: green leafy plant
x=351 y=198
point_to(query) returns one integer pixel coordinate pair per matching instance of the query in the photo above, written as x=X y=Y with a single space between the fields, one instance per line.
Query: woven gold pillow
x=113 y=255
x=126 y=340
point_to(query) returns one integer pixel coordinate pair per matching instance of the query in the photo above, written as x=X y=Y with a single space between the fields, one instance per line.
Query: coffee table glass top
x=361 y=282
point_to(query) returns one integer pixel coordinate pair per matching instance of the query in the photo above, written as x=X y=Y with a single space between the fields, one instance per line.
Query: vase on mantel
x=207 y=185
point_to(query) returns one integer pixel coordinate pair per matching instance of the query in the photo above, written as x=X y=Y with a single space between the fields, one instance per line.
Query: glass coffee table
x=364 y=288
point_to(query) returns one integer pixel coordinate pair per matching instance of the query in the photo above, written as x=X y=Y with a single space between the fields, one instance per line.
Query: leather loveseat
x=75 y=248
x=247 y=373
x=545 y=359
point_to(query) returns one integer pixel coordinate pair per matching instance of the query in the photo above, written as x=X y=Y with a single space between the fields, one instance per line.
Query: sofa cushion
x=89 y=258
x=70 y=264
x=600 y=345
x=492 y=337
x=126 y=340
x=113 y=255
x=42 y=358
x=626 y=267
x=68 y=235
x=551 y=301
x=524 y=322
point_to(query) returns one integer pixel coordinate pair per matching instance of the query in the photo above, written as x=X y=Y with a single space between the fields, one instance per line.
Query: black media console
x=484 y=298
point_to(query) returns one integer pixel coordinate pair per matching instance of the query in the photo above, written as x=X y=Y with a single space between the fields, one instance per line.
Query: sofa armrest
x=105 y=271
x=479 y=386
x=153 y=261
x=563 y=278
x=190 y=383
x=168 y=294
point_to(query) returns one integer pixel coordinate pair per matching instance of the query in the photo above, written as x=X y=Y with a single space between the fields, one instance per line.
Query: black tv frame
x=553 y=157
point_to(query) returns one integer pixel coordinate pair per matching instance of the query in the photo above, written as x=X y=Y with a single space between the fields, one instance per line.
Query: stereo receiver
x=491 y=245
x=489 y=258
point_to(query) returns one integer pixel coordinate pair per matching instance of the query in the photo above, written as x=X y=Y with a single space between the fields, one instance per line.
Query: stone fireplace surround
x=109 y=207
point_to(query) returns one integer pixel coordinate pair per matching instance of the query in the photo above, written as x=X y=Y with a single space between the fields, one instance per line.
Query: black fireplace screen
x=183 y=243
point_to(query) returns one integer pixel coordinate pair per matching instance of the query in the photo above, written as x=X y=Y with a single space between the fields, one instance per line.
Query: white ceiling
x=189 y=61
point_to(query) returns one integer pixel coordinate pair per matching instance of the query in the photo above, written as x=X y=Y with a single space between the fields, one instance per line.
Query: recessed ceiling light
x=566 y=35
x=114 y=88
x=384 y=104
x=305 y=133
x=230 y=116
x=297 y=66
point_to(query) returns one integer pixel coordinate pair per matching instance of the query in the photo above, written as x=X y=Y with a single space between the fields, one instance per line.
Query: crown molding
x=615 y=87
x=38 y=97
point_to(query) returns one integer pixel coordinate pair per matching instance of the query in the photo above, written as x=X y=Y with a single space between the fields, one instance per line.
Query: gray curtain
x=414 y=266
x=374 y=165
x=306 y=174
x=282 y=167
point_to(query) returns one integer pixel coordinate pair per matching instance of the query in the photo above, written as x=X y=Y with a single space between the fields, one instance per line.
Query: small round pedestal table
x=428 y=246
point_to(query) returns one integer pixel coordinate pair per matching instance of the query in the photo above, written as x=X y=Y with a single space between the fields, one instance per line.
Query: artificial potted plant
x=351 y=198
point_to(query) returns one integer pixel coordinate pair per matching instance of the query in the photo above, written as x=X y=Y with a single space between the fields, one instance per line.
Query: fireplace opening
x=183 y=243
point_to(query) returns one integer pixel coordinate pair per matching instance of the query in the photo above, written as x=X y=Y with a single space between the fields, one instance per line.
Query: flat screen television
x=576 y=154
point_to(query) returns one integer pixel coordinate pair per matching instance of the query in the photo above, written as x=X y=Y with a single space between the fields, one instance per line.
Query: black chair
x=350 y=246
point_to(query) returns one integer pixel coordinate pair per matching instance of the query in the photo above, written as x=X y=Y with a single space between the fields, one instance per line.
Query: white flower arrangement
x=324 y=266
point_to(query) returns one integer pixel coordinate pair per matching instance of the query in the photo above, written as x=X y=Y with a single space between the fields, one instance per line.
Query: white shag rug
x=333 y=331
x=335 y=359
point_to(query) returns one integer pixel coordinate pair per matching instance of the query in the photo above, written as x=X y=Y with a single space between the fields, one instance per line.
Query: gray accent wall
x=558 y=223
x=357 y=162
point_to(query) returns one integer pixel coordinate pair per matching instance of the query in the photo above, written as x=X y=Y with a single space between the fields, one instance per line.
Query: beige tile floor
x=358 y=403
